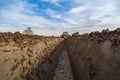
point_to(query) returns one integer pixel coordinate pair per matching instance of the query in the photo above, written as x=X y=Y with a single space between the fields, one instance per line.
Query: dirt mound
x=18 y=39
x=97 y=54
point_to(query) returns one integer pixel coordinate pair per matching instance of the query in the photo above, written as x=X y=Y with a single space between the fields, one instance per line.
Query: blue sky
x=52 y=17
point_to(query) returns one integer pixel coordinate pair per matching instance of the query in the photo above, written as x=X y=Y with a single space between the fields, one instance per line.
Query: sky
x=53 y=17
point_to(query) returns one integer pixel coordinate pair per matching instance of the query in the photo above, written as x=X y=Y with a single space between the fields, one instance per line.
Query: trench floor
x=63 y=70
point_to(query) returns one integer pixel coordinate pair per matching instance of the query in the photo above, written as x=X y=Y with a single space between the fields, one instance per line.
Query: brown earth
x=63 y=70
x=28 y=57
x=94 y=56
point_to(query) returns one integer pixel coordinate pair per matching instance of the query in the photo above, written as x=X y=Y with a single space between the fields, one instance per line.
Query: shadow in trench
x=46 y=69
x=74 y=63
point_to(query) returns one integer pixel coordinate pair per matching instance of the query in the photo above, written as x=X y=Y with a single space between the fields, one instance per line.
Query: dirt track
x=63 y=70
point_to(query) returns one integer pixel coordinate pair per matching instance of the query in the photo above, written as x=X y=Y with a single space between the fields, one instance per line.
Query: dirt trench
x=47 y=60
x=68 y=67
x=93 y=56
x=63 y=70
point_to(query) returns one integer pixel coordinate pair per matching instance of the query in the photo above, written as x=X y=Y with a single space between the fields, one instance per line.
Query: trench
x=61 y=65
x=63 y=70
x=33 y=64
x=68 y=67
x=74 y=63
x=93 y=56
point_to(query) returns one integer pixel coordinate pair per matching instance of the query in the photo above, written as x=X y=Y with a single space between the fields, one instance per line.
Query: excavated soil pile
x=95 y=56
x=24 y=57
x=17 y=39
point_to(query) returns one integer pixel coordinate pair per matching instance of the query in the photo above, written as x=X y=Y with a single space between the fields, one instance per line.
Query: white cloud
x=70 y=21
x=78 y=9
x=53 y=13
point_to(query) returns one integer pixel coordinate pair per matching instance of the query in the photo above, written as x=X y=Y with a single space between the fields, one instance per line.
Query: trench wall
x=31 y=62
x=92 y=59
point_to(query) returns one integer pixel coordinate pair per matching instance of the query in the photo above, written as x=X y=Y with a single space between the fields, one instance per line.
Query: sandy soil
x=63 y=71
x=17 y=62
